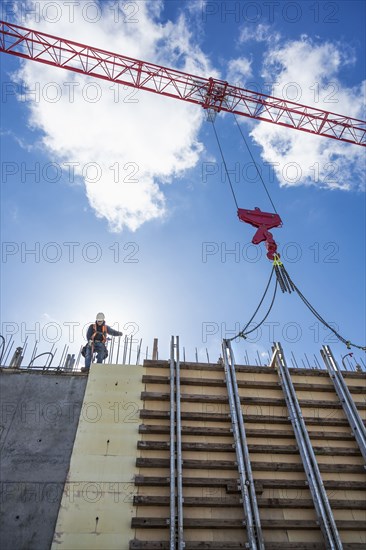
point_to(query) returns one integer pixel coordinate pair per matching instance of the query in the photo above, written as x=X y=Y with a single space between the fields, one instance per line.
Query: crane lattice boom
x=210 y=93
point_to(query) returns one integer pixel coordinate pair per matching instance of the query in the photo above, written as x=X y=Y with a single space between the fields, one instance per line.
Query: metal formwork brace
x=176 y=461
x=322 y=507
x=181 y=543
x=348 y=405
x=172 y=447
x=249 y=499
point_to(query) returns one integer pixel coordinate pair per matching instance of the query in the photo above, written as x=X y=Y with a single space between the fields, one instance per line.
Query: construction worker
x=97 y=336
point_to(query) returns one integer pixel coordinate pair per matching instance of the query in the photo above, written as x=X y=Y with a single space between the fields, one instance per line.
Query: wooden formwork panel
x=285 y=504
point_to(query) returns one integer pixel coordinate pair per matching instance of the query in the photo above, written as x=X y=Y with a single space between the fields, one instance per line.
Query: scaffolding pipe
x=254 y=533
x=348 y=405
x=319 y=495
x=172 y=449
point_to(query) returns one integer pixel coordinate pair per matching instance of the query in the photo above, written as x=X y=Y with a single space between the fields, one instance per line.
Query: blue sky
x=123 y=198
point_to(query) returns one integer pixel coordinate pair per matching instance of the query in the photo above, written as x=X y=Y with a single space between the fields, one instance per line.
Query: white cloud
x=308 y=73
x=148 y=139
x=260 y=33
x=29 y=147
x=196 y=6
x=239 y=70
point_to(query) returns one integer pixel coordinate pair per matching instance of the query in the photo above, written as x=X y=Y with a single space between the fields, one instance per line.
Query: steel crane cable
x=259 y=305
x=255 y=164
x=224 y=162
x=243 y=333
x=282 y=276
x=348 y=343
x=251 y=156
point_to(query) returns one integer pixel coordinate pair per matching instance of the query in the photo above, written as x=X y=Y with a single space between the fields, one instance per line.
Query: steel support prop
x=179 y=453
x=172 y=446
x=348 y=405
x=176 y=461
x=322 y=507
x=247 y=488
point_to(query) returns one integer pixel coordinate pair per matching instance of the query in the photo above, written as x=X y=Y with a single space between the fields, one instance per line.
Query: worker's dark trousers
x=101 y=350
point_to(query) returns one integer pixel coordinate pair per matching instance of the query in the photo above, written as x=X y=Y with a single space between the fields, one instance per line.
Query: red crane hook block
x=264 y=221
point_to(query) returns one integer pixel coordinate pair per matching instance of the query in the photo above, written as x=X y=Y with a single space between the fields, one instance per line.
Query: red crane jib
x=211 y=93
x=264 y=221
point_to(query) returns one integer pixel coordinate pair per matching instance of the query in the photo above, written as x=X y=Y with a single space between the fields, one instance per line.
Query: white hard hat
x=100 y=317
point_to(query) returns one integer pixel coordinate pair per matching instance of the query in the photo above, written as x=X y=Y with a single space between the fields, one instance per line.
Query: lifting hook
x=263 y=221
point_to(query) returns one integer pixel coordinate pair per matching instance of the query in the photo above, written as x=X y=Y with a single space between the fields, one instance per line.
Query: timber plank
x=136 y=544
x=158 y=481
x=295 y=371
x=231 y=502
x=250 y=432
x=225 y=417
x=208 y=523
x=230 y=447
x=257 y=400
x=232 y=485
x=255 y=384
x=256 y=466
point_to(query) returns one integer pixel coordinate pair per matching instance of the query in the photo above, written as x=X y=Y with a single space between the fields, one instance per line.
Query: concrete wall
x=39 y=417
